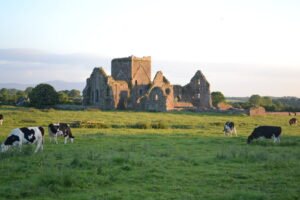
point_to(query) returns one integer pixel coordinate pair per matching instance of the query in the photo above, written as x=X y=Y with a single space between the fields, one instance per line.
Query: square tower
x=133 y=70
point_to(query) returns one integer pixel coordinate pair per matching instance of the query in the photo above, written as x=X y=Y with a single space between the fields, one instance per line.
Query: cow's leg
x=20 y=146
x=66 y=139
x=235 y=132
x=274 y=139
x=1 y=121
x=38 y=146
x=55 y=138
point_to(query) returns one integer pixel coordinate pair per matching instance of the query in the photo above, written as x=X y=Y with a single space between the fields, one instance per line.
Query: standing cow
x=293 y=121
x=265 y=132
x=1 y=119
x=229 y=128
x=60 y=129
x=25 y=135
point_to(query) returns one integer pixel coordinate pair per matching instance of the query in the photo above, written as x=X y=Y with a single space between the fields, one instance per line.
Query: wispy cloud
x=33 y=66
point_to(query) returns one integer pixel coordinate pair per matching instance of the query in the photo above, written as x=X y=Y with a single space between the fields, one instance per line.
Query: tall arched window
x=97 y=95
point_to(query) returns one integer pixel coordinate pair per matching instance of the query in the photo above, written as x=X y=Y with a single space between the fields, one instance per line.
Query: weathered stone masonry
x=130 y=87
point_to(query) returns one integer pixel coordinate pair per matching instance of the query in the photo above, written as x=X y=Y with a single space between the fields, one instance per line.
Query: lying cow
x=26 y=135
x=60 y=129
x=265 y=132
x=293 y=121
x=1 y=119
x=229 y=128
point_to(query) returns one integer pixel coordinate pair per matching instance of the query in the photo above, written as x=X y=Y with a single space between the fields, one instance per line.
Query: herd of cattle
x=35 y=135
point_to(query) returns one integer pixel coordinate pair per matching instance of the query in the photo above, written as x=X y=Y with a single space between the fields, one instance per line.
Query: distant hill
x=58 y=85
x=236 y=99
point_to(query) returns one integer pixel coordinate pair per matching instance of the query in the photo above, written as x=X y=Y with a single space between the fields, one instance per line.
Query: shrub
x=160 y=125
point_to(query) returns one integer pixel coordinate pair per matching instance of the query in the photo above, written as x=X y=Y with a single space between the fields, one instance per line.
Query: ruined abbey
x=130 y=87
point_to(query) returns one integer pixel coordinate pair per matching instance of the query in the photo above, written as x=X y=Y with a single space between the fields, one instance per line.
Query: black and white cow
x=265 y=132
x=25 y=135
x=1 y=119
x=229 y=128
x=60 y=129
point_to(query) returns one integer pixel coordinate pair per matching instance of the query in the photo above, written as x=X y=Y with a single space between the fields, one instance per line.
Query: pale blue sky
x=243 y=47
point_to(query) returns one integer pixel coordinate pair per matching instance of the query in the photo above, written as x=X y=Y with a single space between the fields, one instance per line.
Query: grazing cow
x=60 y=129
x=229 y=128
x=26 y=135
x=265 y=132
x=293 y=121
x=1 y=119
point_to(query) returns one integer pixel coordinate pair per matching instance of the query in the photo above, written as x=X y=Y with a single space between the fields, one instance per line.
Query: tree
x=74 y=93
x=63 y=97
x=43 y=95
x=266 y=101
x=255 y=100
x=4 y=95
x=217 y=97
x=28 y=90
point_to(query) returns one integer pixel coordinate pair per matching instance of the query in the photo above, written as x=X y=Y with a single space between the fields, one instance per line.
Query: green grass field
x=187 y=157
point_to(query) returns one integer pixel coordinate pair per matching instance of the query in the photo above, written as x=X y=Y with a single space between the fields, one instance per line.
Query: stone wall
x=256 y=111
x=161 y=96
x=105 y=92
x=197 y=92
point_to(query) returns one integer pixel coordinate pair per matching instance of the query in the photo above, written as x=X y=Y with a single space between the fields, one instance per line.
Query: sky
x=242 y=47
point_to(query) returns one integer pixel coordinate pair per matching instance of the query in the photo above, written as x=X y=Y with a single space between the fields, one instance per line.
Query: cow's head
x=4 y=147
x=250 y=138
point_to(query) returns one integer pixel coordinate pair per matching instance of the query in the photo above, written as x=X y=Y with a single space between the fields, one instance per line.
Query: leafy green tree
x=255 y=100
x=28 y=90
x=266 y=101
x=74 y=93
x=63 y=97
x=217 y=97
x=4 y=95
x=43 y=95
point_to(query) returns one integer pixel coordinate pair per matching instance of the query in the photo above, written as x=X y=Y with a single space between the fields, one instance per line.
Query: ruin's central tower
x=133 y=70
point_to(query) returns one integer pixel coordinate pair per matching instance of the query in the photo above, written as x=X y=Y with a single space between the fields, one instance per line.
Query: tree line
x=43 y=95
x=290 y=104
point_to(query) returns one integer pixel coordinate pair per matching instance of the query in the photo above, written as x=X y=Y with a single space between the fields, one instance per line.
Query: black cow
x=1 y=119
x=265 y=132
x=60 y=129
x=229 y=128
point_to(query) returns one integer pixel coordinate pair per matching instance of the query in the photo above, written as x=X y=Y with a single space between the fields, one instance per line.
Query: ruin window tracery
x=97 y=95
x=156 y=97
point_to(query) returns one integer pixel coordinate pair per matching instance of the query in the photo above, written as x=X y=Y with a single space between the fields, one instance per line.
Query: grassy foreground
x=187 y=158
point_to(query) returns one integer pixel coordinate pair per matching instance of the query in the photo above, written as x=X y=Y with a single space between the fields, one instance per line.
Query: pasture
x=138 y=155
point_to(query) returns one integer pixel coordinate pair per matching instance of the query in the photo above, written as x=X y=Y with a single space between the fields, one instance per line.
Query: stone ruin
x=130 y=87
